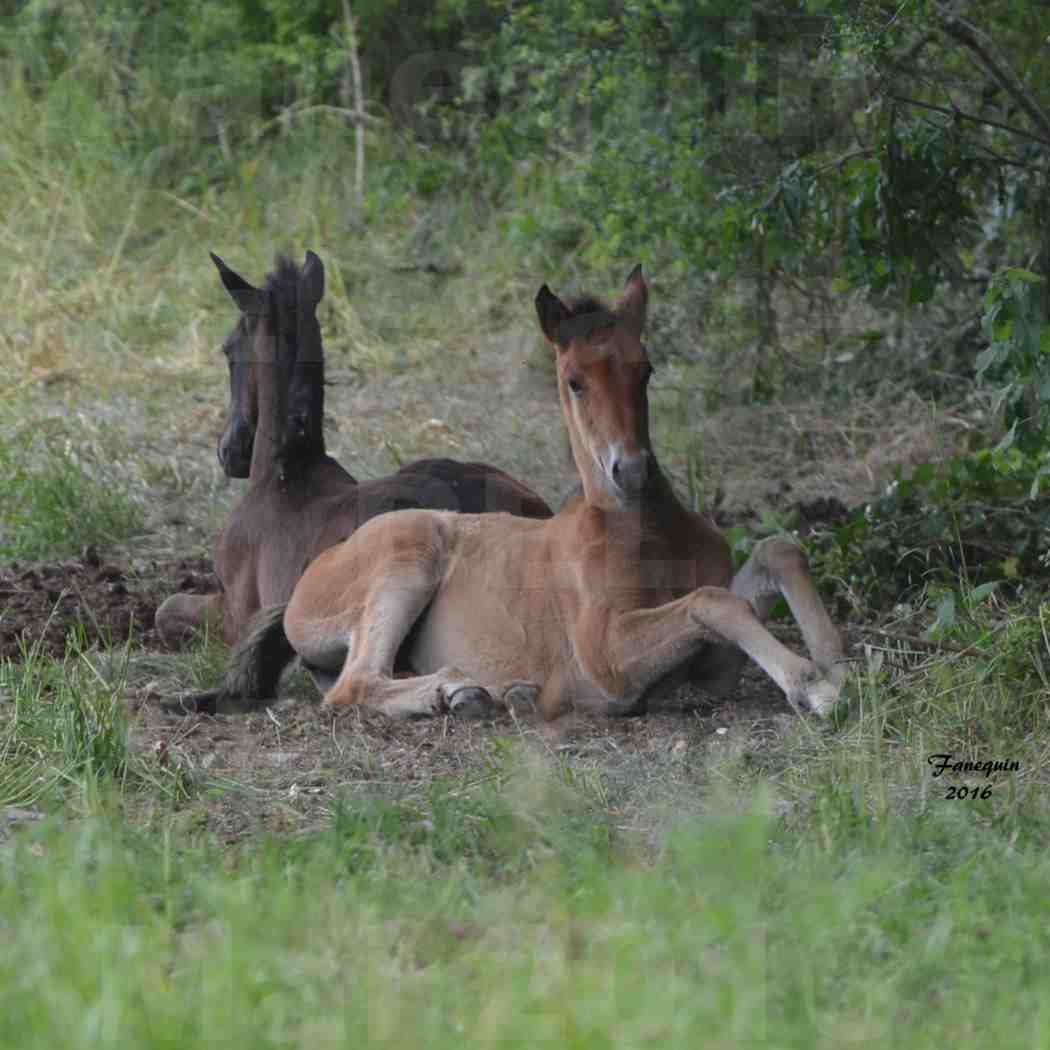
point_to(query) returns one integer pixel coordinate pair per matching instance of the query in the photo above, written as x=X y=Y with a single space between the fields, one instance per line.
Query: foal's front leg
x=639 y=647
x=778 y=568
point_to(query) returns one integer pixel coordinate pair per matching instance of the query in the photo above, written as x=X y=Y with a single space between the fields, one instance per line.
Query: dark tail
x=258 y=660
x=253 y=671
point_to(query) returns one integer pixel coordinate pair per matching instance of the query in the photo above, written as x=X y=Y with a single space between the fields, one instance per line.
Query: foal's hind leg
x=367 y=676
x=355 y=635
x=778 y=568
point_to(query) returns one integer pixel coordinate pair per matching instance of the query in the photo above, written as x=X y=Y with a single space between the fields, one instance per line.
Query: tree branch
x=286 y=116
x=359 y=105
x=839 y=161
x=352 y=116
x=956 y=112
x=967 y=34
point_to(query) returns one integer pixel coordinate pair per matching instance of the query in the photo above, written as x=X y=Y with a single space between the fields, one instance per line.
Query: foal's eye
x=576 y=386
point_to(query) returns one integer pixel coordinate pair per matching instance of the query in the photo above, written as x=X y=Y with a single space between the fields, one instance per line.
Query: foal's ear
x=551 y=311
x=633 y=299
x=248 y=298
x=313 y=279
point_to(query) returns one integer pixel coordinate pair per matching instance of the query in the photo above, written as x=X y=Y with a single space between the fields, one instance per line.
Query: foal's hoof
x=817 y=695
x=521 y=696
x=199 y=704
x=470 y=701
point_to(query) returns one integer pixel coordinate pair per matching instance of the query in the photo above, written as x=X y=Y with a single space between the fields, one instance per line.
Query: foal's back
x=278 y=529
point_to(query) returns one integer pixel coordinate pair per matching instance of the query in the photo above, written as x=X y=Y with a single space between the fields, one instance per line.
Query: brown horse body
x=300 y=501
x=280 y=527
x=624 y=590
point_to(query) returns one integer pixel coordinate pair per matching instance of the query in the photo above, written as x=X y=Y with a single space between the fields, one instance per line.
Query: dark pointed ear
x=248 y=298
x=633 y=299
x=551 y=312
x=312 y=280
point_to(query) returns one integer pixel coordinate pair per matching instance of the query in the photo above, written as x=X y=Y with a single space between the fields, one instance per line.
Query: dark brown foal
x=300 y=501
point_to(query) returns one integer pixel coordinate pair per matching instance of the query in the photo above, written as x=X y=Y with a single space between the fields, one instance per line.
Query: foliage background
x=843 y=210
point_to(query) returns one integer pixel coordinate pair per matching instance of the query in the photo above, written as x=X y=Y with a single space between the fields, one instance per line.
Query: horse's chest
x=655 y=573
x=268 y=541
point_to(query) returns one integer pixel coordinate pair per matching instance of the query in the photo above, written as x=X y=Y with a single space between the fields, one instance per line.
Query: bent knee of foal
x=779 y=556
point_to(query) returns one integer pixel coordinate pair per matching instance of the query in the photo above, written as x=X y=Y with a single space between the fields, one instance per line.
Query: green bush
x=972 y=518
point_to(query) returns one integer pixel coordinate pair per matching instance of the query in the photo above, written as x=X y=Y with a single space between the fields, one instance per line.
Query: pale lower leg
x=643 y=645
x=804 y=683
x=448 y=691
x=778 y=567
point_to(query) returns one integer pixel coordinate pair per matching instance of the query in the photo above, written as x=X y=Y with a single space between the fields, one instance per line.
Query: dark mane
x=587 y=313
x=284 y=275
x=282 y=287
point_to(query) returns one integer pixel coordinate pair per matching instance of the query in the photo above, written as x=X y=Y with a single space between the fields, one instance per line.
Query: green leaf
x=980 y=593
x=986 y=358
x=1007 y=440
x=1016 y=274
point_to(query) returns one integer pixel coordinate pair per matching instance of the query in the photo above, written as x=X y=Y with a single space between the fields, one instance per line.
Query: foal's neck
x=269 y=425
x=659 y=505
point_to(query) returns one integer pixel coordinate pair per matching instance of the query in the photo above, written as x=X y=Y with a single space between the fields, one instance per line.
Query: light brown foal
x=620 y=590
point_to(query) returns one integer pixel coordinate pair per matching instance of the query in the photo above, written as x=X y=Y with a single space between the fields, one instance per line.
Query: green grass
x=820 y=891
x=736 y=932
x=64 y=731
x=57 y=500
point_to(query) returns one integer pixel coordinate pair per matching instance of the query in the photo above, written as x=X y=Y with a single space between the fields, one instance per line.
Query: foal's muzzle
x=235 y=450
x=630 y=473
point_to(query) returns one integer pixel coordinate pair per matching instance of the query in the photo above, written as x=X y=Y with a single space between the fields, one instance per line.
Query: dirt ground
x=283 y=768
x=42 y=604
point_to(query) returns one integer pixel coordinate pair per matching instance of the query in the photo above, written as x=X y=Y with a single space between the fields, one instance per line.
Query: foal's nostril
x=631 y=472
x=234 y=451
x=224 y=452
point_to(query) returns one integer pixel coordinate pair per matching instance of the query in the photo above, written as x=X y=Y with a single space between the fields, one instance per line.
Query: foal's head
x=276 y=364
x=603 y=372
x=242 y=416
